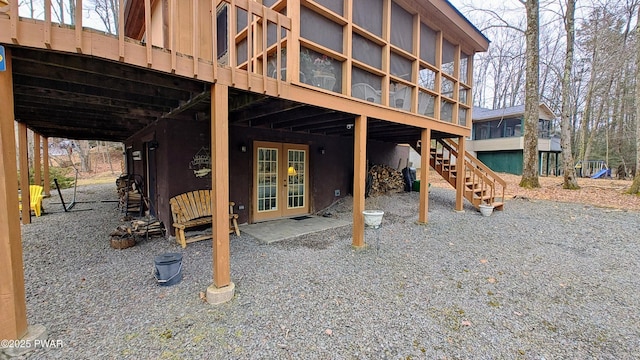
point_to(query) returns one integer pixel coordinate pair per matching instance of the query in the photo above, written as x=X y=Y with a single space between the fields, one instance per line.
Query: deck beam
x=222 y=289
x=24 y=172
x=359 y=178
x=425 y=154
x=13 y=304
x=460 y=174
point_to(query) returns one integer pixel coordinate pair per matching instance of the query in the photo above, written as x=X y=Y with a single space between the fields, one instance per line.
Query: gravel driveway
x=541 y=280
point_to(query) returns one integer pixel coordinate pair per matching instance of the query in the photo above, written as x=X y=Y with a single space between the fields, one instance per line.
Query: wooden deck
x=82 y=83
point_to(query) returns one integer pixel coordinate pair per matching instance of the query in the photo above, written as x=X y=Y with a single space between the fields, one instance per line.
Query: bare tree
x=635 y=187
x=570 y=181
x=107 y=10
x=532 y=97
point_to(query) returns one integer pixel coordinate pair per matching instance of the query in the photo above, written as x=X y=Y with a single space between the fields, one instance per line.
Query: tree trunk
x=84 y=153
x=532 y=102
x=635 y=187
x=570 y=181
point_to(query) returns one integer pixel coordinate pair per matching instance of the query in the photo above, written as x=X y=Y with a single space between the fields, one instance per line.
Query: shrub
x=63 y=175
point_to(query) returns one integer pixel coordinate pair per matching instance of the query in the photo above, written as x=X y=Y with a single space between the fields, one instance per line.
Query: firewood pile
x=384 y=180
x=124 y=235
x=130 y=198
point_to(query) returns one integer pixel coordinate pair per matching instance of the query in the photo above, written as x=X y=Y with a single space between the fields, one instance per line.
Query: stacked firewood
x=140 y=228
x=384 y=180
x=151 y=227
x=124 y=235
x=129 y=196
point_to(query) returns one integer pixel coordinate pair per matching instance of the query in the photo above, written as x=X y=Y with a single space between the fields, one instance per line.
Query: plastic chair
x=35 y=199
x=366 y=92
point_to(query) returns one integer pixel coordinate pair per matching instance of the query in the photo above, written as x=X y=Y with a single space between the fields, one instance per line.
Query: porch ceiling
x=255 y=110
x=81 y=97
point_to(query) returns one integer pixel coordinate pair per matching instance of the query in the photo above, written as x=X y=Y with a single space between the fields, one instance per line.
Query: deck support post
x=24 y=172
x=13 y=303
x=222 y=289
x=425 y=155
x=460 y=174
x=359 y=178
x=45 y=167
x=37 y=164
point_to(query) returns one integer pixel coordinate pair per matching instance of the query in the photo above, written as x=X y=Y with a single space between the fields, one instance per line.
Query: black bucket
x=168 y=269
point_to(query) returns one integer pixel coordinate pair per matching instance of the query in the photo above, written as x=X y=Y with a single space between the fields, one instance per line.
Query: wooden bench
x=193 y=209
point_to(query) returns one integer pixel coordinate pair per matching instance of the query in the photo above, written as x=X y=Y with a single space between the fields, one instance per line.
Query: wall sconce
x=321 y=151
x=349 y=126
x=291 y=171
x=243 y=148
x=153 y=144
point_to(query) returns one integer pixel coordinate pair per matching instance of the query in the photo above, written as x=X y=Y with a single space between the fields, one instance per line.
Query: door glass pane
x=267 y=172
x=295 y=178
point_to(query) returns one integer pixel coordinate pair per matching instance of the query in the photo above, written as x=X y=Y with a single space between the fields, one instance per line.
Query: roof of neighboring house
x=480 y=114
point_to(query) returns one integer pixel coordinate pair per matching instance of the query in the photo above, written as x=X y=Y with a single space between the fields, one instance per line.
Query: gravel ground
x=541 y=280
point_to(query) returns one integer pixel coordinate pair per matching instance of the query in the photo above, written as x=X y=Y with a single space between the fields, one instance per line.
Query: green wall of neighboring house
x=503 y=161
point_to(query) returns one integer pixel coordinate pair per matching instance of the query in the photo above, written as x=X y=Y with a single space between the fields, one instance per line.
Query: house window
x=446 y=89
x=448 y=57
x=426 y=104
x=222 y=33
x=320 y=70
x=368 y=15
x=337 y=6
x=400 y=67
x=401 y=28
x=512 y=128
x=365 y=85
x=367 y=51
x=400 y=96
x=427 y=78
x=464 y=68
x=544 y=129
x=462 y=116
x=497 y=129
x=320 y=30
x=463 y=95
x=428 y=42
x=446 y=111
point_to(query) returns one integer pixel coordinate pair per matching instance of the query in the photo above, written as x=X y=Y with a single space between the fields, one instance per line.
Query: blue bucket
x=168 y=269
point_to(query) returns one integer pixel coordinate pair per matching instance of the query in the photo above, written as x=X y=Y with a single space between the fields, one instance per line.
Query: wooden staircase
x=481 y=185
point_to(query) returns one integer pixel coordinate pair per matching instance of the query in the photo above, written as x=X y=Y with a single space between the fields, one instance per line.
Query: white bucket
x=486 y=210
x=373 y=218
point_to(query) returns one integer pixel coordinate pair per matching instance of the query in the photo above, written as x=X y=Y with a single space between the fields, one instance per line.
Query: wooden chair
x=193 y=209
x=35 y=199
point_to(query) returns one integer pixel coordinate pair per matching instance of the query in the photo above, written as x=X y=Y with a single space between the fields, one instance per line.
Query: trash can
x=416 y=185
x=168 y=269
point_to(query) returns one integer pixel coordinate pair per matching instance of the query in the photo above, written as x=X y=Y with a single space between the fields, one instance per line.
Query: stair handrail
x=478 y=163
x=474 y=162
x=485 y=181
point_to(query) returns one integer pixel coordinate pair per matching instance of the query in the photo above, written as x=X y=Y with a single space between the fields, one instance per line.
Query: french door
x=280 y=181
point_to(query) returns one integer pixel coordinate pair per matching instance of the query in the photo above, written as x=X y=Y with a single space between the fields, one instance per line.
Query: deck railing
x=252 y=57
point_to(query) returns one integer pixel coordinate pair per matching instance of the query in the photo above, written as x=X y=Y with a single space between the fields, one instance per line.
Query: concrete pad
x=282 y=229
x=35 y=337
x=216 y=295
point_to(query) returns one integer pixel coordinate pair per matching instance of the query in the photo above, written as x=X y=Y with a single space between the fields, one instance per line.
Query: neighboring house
x=498 y=139
x=273 y=105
